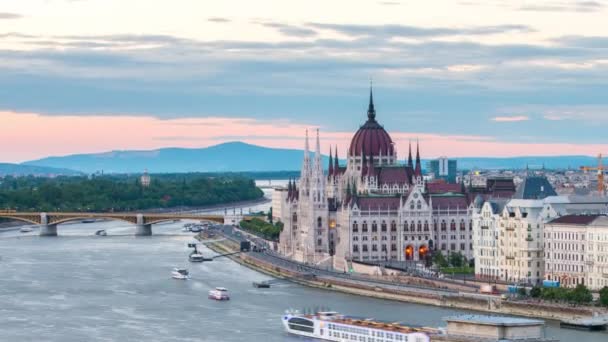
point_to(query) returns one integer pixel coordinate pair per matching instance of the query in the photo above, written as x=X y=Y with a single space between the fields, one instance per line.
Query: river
x=81 y=287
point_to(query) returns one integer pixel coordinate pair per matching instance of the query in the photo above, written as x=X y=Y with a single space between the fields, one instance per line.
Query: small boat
x=219 y=293
x=101 y=232
x=197 y=257
x=180 y=273
x=26 y=229
x=261 y=284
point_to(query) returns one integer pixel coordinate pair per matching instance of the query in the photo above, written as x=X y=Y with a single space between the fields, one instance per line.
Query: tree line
x=123 y=192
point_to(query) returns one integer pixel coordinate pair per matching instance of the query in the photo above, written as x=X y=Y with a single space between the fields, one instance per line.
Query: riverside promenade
x=397 y=288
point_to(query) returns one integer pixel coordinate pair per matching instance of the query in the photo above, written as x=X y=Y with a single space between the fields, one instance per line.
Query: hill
x=242 y=157
x=34 y=170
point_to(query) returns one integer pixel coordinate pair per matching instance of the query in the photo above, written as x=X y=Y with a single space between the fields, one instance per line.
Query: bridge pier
x=48 y=230
x=143 y=230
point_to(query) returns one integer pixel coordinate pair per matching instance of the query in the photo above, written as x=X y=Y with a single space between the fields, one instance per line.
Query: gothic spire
x=336 y=163
x=418 y=170
x=330 y=169
x=410 y=163
x=371 y=111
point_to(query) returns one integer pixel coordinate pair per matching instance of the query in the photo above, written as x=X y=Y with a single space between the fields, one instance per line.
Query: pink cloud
x=27 y=136
x=511 y=118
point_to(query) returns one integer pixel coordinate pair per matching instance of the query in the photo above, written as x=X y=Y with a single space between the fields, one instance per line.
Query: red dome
x=371 y=138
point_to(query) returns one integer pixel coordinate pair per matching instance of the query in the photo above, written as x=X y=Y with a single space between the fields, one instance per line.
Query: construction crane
x=600 y=173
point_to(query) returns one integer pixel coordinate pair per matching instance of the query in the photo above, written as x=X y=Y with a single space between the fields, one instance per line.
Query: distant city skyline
x=498 y=78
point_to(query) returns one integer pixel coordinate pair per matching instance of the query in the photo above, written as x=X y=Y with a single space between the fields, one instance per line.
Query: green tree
x=270 y=215
x=536 y=292
x=604 y=296
x=522 y=291
x=581 y=295
x=456 y=259
x=439 y=260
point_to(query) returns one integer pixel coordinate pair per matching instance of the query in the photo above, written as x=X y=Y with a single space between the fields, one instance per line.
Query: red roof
x=394 y=175
x=575 y=219
x=451 y=202
x=372 y=139
x=375 y=203
x=442 y=187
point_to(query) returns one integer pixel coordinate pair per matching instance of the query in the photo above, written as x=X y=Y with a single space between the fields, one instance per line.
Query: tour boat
x=219 y=293
x=26 y=229
x=180 y=273
x=332 y=326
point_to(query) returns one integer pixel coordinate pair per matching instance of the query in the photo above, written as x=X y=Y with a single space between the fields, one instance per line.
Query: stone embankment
x=430 y=296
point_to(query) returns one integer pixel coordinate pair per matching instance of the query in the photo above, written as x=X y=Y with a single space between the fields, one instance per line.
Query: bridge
x=143 y=221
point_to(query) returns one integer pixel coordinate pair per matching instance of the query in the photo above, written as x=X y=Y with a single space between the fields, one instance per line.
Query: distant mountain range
x=24 y=169
x=242 y=157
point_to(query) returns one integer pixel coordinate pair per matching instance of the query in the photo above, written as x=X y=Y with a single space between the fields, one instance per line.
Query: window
x=443 y=246
x=365 y=248
x=393 y=247
x=364 y=226
x=453 y=225
x=356 y=248
x=462 y=225
x=301 y=324
x=435 y=225
x=419 y=226
x=405 y=227
x=355 y=227
x=443 y=226
x=319 y=242
x=426 y=225
x=294 y=218
x=319 y=222
x=374 y=248
x=418 y=205
x=384 y=248
x=383 y=226
x=393 y=226
x=374 y=227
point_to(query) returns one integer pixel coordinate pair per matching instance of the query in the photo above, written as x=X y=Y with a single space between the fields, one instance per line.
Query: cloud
x=5 y=15
x=289 y=30
x=390 y=31
x=516 y=118
x=218 y=20
x=563 y=6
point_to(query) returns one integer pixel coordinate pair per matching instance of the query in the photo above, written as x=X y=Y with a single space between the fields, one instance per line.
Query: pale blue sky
x=512 y=71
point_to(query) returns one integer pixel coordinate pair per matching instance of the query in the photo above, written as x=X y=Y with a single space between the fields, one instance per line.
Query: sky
x=465 y=78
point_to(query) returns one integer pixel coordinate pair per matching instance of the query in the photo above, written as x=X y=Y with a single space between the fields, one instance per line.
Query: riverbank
x=430 y=296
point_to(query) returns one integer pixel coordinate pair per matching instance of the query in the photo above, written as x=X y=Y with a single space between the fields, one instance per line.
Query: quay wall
x=472 y=302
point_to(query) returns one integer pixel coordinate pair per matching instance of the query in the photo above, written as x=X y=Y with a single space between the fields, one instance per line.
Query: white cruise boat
x=26 y=229
x=331 y=326
x=219 y=293
x=180 y=273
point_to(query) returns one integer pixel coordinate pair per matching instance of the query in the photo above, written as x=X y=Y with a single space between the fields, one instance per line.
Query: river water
x=81 y=287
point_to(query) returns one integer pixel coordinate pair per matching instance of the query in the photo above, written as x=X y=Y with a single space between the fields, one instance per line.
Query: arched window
x=435 y=225
x=294 y=218
x=418 y=205
x=405 y=227
x=443 y=226
x=419 y=226
x=426 y=225
x=355 y=227
x=453 y=225
x=463 y=225
x=364 y=227
x=374 y=227
x=383 y=226
x=412 y=205
x=471 y=225
x=393 y=226
x=413 y=226
x=319 y=222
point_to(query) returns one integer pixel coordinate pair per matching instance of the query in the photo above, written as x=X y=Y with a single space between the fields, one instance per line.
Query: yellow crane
x=600 y=173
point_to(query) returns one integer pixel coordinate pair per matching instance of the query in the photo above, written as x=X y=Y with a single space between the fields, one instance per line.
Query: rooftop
x=493 y=320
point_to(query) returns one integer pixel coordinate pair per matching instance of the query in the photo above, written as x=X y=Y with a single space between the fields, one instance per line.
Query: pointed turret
x=371 y=111
x=336 y=162
x=418 y=170
x=410 y=162
x=330 y=169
